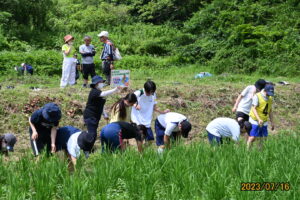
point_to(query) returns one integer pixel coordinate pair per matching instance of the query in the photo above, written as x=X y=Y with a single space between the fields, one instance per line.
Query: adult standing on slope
x=87 y=51
x=107 y=55
x=69 y=63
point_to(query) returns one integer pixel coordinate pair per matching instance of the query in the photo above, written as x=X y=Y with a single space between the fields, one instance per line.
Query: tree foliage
x=242 y=36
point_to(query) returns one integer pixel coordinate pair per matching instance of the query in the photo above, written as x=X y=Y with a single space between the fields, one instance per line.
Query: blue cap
x=51 y=112
x=269 y=88
x=96 y=79
x=10 y=141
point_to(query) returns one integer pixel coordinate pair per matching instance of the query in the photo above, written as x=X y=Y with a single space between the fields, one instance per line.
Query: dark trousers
x=88 y=69
x=110 y=137
x=42 y=142
x=92 y=125
x=160 y=133
x=149 y=134
x=214 y=139
x=106 y=70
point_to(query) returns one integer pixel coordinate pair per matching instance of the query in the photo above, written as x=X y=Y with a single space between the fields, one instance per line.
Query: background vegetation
x=240 y=36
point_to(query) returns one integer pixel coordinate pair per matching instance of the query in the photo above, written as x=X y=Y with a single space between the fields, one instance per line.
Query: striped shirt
x=107 y=51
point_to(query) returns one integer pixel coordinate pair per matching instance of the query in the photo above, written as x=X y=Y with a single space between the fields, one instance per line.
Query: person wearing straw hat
x=95 y=105
x=69 y=62
x=43 y=128
x=7 y=142
x=106 y=55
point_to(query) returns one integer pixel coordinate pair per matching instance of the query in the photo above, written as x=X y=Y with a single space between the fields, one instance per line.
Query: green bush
x=39 y=59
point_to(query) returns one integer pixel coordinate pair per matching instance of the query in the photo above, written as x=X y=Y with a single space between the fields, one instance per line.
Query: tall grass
x=195 y=171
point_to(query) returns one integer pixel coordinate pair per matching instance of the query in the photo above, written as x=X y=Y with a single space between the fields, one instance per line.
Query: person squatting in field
x=107 y=56
x=43 y=128
x=121 y=110
x=224 y=127
x=260 y=112
x=142 y=112
x=24 y=68
x=112 y=136
x=87 y=51
x=95 y=106
x=72 y=140
x=69 y=62
x=7 y=142
x=170 y=125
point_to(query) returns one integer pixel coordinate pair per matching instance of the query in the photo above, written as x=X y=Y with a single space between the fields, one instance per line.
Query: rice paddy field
x=190 y=170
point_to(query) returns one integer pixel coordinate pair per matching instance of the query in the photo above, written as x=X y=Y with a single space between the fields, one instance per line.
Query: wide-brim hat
x=67 y=38
x=10 y=141
x=96 y=79
x=51 y=112
x=86 y=141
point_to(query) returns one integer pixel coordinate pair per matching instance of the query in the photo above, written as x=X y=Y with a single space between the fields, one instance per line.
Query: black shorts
x=88 y=69
x=242 y=115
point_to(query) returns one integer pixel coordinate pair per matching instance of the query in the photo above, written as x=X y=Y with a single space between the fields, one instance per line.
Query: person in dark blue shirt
x=43 y=128
x=24 y=67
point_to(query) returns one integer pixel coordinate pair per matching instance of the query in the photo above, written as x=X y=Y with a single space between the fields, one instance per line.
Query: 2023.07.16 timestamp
x=267 y=186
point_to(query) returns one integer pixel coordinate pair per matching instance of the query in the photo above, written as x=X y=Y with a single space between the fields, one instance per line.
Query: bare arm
x=67 y=52
x=238 y=100
x=122 y=145
x=34 y=135
x=272 y=120
x=73 y=160
x=139 y=146
x=167 y=141
x=156 y=109
x=53 y=138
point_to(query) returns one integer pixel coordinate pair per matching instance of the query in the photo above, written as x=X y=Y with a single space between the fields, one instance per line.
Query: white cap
x=103 y=33
x=22 y=64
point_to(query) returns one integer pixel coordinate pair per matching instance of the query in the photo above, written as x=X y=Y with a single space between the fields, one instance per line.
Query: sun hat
x=10 y=141
x=185 y=128
x=260 y=84
x=85 y=141
x=51 y=112
x=103 y=33
x=67 y=38
x=96 y=79
x=269 y=88
x=23 y=64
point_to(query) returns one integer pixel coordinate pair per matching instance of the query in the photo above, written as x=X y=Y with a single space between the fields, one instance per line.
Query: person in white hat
x=106 y=55
x=69 y=63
